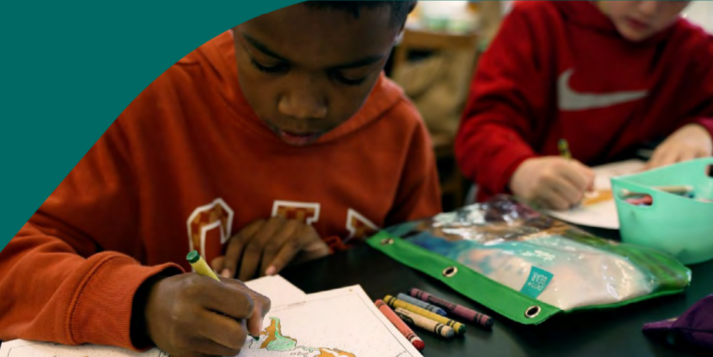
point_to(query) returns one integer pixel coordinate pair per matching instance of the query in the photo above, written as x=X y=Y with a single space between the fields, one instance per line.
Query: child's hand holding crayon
x=193 y=315
x=553 y=182
x=265 y=247
x=692 y=141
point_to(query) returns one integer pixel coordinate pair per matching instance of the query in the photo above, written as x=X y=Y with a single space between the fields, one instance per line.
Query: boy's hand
x=691 y=141
x=269 y=245
x=190 y=315
x=554 y=182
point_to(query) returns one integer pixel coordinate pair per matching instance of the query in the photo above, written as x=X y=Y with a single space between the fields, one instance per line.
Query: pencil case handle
x=623 y=186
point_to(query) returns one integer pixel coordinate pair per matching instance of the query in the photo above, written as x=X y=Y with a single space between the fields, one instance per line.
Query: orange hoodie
x=187 y=165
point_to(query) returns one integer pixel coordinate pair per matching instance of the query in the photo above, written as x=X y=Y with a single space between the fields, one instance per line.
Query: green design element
x=75 y=68
x=281 y=343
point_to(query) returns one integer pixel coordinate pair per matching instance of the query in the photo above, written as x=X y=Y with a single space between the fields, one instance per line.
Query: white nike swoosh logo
x=570 y=100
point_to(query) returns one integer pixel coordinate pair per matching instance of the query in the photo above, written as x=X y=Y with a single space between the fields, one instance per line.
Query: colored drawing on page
x=597 y=196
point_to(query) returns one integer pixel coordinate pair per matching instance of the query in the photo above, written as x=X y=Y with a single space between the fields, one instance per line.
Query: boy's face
x=639 y=20
x=304 y=71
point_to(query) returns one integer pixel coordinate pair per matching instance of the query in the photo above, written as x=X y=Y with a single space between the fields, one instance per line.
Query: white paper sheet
x=336 y=323
x=279 y=290
x=601 y=214
x=339 y=323
x=22 y=348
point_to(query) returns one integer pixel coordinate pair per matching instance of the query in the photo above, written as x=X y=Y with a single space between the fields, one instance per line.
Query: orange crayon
x=400 y=325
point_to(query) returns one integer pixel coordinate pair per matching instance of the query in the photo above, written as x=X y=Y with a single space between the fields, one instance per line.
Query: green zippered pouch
x=527 y=266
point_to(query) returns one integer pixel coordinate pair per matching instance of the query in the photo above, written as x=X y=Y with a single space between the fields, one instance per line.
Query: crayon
x=643 y=201
x=425 y=323
x=202 y=268
x=680 y=190
x=676 y=190
x=421 y=304
x=563 y=147
x=455 y=309
x=458 y=327
x=400 y=325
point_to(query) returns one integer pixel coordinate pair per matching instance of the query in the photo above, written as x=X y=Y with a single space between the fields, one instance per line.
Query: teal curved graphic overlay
x=69 y=68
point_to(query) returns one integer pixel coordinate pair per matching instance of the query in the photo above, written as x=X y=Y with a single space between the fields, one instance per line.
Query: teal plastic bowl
x=680 y=226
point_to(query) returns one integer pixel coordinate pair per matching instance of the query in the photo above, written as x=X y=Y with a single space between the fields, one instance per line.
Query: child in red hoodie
x=279 y=140
x=606 y=76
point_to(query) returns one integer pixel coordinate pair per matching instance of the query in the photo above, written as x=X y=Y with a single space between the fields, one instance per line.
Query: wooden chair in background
x=453 y=184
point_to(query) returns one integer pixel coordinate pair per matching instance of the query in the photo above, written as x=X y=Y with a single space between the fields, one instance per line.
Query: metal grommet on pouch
x=532 y=312
x=450 y=272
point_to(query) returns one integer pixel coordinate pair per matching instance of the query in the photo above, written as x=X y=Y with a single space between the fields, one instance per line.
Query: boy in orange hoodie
x=278 y=141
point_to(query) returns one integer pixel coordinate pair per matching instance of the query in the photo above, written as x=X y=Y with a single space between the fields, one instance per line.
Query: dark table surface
x=610 y=333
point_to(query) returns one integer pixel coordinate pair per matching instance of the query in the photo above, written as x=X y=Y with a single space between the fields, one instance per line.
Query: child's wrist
x=139 y=334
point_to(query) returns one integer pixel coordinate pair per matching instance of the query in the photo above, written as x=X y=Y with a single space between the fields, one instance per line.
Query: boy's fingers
x=552 y=199
x=262 y=307
x=226 y=298
x=581 y=175
x=578 y=179
x=570 y=195
x=688 y=155
x=588 y=173
x=283 y=257
x=563 y=190
x=662 y=156
x=223 y=331
x=275 y=245
x=655 y=157
x=668 y=158
x=217 y=264
x=236 y=246
x=313 y=251
x=232 y=254
x=702 y=152
x=254 y=249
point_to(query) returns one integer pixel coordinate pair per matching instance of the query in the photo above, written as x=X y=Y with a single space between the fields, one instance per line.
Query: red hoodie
x=560 y=70
x=187 y=165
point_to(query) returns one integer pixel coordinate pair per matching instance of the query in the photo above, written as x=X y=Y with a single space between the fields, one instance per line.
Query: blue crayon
x=424 y=305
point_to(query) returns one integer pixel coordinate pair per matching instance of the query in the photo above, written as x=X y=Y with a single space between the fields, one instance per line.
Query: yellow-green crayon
x=424 y=323
x=458 y=327
x=202 y=268
x=563 y=147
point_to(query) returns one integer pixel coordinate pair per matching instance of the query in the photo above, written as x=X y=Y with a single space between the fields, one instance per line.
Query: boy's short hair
x=399 y=9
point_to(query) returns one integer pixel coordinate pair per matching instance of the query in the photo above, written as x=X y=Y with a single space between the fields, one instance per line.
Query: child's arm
x=694 y=136
x=691 y=141
x=509 y=89
x=68 y=277
x=58 y=283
